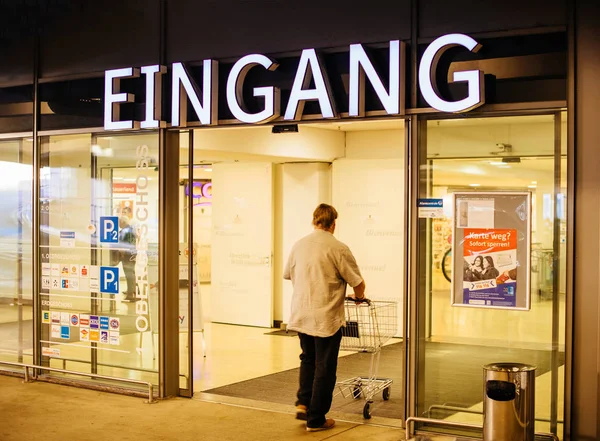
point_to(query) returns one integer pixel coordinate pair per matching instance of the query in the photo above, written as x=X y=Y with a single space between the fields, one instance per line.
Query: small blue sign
x=103 y=336
x=109 y=279
x=67 y=234
x=94 y=322
x=430 y=208
x=103 y=322
x=109 y=229
x=65 y=332
x=436 y=203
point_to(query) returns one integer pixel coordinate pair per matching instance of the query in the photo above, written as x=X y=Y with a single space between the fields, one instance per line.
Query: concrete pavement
x=50 y=412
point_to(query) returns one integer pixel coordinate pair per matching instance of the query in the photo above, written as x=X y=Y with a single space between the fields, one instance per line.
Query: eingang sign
x=311 y=83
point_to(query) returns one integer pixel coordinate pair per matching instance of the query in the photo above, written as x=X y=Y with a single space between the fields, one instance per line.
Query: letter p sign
x=109 y=229
x=109 y=279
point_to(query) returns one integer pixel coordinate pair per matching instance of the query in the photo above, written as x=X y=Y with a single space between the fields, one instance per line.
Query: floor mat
x=453 y=372
x=283 y=333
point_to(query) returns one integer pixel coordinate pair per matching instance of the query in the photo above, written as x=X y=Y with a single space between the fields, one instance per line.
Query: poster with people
x=490 y=267
x=491 y=249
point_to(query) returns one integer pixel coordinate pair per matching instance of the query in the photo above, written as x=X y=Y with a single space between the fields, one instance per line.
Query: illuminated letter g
x=474 y=78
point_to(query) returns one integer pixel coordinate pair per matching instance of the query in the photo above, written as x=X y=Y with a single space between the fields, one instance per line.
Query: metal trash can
x=509 y=402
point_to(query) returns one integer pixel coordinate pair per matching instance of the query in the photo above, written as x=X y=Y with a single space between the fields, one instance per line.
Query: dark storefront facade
x=424 y=122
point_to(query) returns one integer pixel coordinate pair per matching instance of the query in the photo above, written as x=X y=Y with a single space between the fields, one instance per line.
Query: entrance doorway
x=247 y=197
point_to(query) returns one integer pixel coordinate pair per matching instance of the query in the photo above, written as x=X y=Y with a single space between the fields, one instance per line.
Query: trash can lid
x=509 y=367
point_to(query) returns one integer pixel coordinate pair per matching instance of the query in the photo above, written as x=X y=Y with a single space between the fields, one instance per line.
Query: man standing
x=126 y=254
x=319 y=267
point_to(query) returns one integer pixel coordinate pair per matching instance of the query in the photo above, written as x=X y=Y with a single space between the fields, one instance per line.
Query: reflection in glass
x=98 y=244
x=471 y=155
x=16 y=333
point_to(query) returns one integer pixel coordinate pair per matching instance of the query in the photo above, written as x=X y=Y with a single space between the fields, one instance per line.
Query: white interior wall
x=302 y=187
x=242 y=244
x=278 y=259
x=368 y=192
x=375 y=144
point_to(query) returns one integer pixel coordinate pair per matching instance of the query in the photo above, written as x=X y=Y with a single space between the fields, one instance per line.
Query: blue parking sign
x=109 y=279
x=109 y=229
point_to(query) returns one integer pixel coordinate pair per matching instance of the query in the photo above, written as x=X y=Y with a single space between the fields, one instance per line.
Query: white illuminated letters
x=393 y=101
x=300 y=94
x=183 y=86
x=112 y=98
x=153 y=96
x=428 y=67
x=311 y=83
x=235 y=84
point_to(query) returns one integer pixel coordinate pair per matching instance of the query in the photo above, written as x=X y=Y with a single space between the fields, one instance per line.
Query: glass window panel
x=16 y=331
x=185 y=193
x=99 y=249
x=495 y=154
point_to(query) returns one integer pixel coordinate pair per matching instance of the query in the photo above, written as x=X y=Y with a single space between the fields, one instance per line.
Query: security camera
x=504 y=148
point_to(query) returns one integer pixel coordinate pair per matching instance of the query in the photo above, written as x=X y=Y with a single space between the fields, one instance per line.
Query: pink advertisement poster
x=490 y=267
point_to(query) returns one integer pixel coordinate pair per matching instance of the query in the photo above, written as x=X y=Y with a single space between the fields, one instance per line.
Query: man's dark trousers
x=318 y=368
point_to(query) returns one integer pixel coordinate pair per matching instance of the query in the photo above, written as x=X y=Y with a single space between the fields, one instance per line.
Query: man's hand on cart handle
x=359 y=293
x=359 y=290
x=357 y=300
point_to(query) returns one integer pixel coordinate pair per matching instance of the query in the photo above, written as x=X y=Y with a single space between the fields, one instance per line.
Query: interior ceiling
x=354 y=126
x=203 y=156
x=465 y=121
x=488 y=173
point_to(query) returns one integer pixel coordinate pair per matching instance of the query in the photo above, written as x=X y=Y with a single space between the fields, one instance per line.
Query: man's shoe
x=329 y=423
x=301 y=412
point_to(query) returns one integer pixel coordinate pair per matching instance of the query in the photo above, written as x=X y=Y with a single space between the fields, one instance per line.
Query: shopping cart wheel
x=386 y=393
x=367 y=411
x=356 y=392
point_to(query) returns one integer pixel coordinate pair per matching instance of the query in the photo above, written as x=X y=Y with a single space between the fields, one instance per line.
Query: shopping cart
x=369 y=324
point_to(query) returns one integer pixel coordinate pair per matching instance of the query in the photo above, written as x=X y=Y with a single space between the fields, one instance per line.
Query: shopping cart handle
x=363 y=300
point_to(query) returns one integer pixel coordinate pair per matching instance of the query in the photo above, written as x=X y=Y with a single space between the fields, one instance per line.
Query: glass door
x=99 y=261
x=525 y=154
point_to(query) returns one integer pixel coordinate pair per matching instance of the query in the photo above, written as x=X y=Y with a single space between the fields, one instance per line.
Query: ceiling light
x=496 y=163
x=534 y=182
x=471 y=170
x=474 y=185
x=504 y=166
x=208 y=169
x=532 y=186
